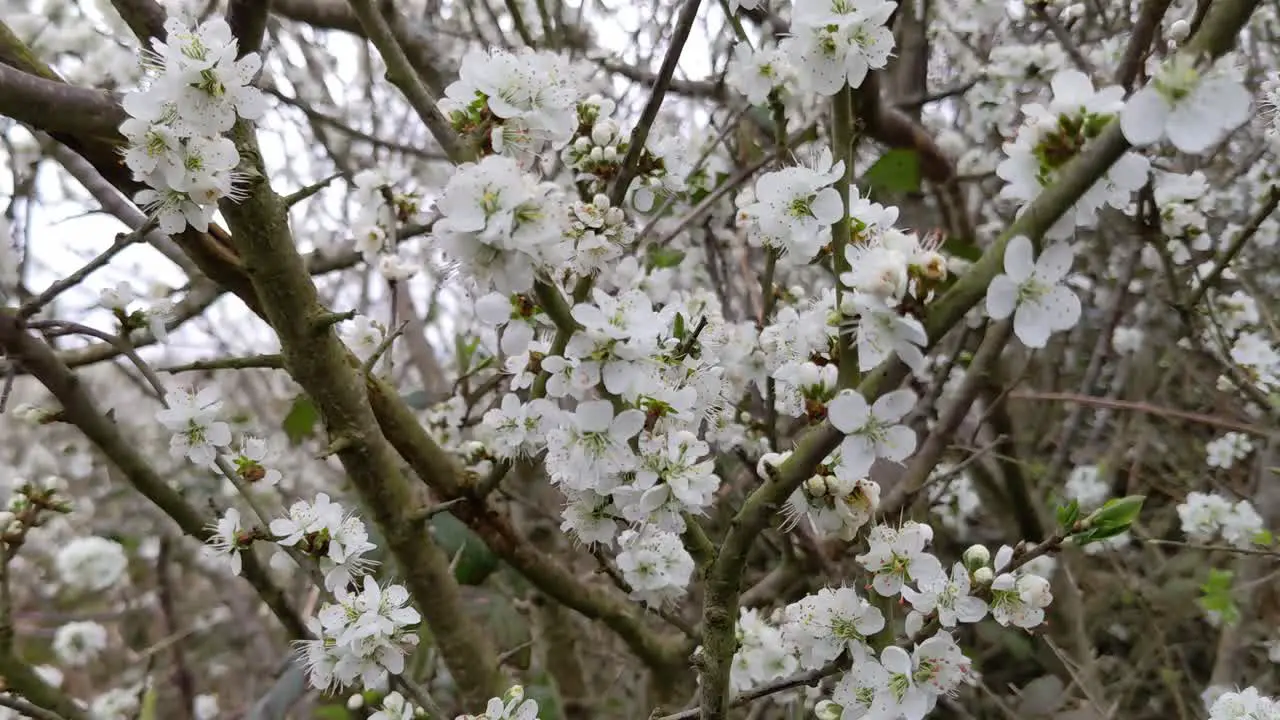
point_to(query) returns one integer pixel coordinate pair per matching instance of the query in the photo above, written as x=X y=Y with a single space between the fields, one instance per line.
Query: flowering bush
x=920 y=352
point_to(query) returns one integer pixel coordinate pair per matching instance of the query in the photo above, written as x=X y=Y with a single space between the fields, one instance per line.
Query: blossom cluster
x=898 y=682
x=1208 y=516
x=1247 y=704
x=175 y=131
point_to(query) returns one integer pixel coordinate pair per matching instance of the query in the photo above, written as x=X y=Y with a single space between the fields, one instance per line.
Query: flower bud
x=596 y=154
x=355 y=702
x=601 y=201
x=610 y=154
x=839 y=487
x=816 y=486
x=977 y=556
x=1180 y=30
x=934 y=266
x=827 y=710
x=603 y=132
x=582 y=144
x=983 y=575
x=769 y=462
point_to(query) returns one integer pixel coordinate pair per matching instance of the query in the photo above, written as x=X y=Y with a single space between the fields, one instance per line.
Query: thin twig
x=122 y=241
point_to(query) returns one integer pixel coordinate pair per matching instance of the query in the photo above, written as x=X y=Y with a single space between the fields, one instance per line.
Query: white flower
x=1195 y=112
x=395 y=707
x=364 y=335
x=206 y=707
x=755 y=73
x=655 y=564
x=873 y=430
x=1223 y=452
x=895 y=555
x=823 y=625
x=589 y=451
x=116 y=298
x=1033 y=292
x=1086 y=486
x=91 y=564
x=190 y=415
x=78 y=643
x=361 y=637
x=1019 y=599
x=1247 y=704
x=511 y=706
x=949 y=597
x=882 y=331
x=225 y=543
x=900 y=696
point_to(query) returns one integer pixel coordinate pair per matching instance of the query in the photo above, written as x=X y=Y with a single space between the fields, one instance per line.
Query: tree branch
x=57 y=107
x=326 y=370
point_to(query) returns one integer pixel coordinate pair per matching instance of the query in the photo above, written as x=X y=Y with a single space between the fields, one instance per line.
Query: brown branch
x=144 y=17
x=326 y=370
x=1194 y=417
x=248 y=21
x=57 y=107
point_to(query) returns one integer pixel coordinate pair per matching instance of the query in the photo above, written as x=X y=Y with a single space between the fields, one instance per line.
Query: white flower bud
x=983 y=575
x=840 y=487
x=355 y=702
x=601 y=201
x=816 y=486
x=596 y=154
x=582 y=144
x=611 y=154
x=977 y=556
x=827 y=710
x=1180 y=30
x=770 y=462
x=603 y=132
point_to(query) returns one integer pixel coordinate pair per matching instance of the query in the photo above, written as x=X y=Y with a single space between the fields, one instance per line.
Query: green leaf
x=148 y=710
x=660 y=257
x=898 y=170
x=679 y=331
x=1068 y=514
x=332 y=712
x=301 y=421
x=1216 y=596
x=1264 y=538
x=1116 y=513
x=473 y=562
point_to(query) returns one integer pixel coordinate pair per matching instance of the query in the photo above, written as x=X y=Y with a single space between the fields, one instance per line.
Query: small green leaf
x=660 y=257
x=1068 y=514
x=148 y=710
x=1263 y=538
x=301 y=421
x=898 y=170
x=679 y=331
x=1216 y=596
x=332 y=712
x=1116 y=513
